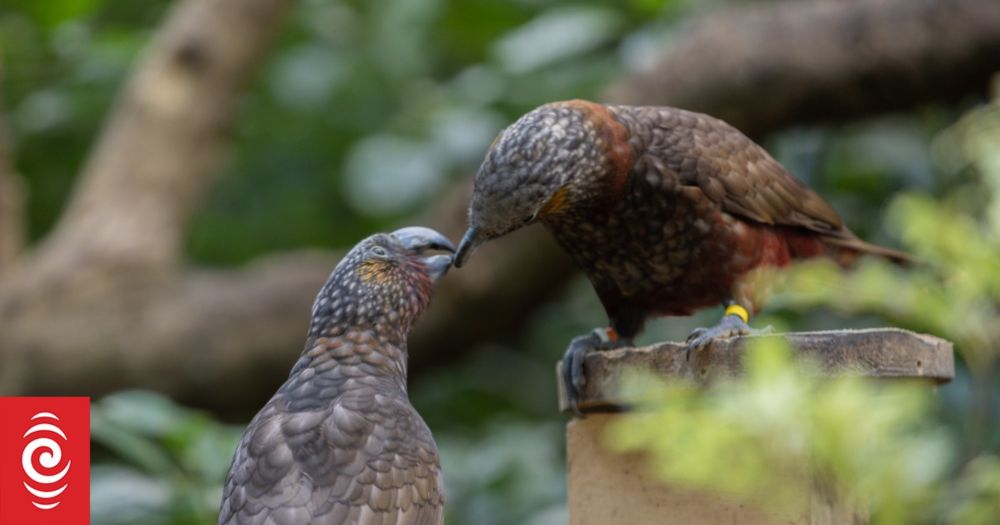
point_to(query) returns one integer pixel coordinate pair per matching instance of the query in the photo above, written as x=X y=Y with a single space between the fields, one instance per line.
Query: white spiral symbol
x=49 y=458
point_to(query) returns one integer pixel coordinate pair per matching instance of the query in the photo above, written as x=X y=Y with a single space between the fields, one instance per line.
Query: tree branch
x=165 y=138
x=209 y=338
x=86 y=303
x=765 y=66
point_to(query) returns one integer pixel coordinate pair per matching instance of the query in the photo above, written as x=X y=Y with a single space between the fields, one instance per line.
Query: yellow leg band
x=739 y=311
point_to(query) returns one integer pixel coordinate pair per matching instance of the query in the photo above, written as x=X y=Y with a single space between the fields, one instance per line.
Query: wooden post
x=606 y=488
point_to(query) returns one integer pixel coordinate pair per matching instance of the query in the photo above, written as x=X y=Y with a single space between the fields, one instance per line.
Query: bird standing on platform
x=667 y=211
x=339 y=443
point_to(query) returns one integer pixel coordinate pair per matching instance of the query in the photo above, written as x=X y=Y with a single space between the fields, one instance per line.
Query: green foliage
x=156 y=462
x=954 y=288
x=510 y=473
x=976 y=495
x=758 y=437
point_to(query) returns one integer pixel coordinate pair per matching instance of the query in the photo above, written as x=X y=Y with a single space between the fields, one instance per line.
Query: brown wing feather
x=739 y=175
x=735 y=172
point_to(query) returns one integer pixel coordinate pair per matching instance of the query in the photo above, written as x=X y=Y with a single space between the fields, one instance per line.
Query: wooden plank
x=876 y=352
x=606 y=488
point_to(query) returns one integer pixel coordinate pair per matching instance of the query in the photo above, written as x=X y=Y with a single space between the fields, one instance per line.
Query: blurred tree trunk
x=89 y=309
x=766 y=65
x=105 y=301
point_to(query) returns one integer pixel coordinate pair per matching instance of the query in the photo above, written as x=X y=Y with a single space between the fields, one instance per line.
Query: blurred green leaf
x=953 y=289
x=976 y=498
x=168 y=461
x=504 y=475
x=130 y=447
x=556 y=35
x=756 y=438
x=123 y=496
x=143 y=412
x=53 y=12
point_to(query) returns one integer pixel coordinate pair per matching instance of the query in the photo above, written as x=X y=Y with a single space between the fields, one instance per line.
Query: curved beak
x=469 y=243
x=419 y=239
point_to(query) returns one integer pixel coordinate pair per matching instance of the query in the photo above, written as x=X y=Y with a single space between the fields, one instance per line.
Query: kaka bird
x=667 y=212
x=339 y=443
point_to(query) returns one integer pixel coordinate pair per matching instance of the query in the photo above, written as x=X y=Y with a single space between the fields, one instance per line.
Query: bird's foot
x=572 y=362
x=729 y=326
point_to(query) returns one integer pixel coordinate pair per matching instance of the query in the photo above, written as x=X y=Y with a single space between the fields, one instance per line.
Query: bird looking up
x=667 y=212
x=339 y=443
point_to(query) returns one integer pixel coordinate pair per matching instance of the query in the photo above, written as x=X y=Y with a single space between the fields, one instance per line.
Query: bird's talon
x=574 y=378
x=728 y=326
x=696 y=333
x=579 y=378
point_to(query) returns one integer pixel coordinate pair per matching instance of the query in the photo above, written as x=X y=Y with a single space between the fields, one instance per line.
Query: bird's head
x=384 y=282
x=559 y=157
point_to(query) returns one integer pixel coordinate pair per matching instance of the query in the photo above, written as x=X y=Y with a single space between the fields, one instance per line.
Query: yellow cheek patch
x=556 y=204
x=374 y=271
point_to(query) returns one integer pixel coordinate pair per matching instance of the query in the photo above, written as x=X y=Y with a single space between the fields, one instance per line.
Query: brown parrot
x=667 y=211
x=339 y=443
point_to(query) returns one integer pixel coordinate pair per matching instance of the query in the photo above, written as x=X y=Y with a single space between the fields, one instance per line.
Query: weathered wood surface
x=607 y=488
x=619 y=489
x=876 y=352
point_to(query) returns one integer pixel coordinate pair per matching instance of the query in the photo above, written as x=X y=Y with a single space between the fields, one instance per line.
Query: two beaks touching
x=666 y=211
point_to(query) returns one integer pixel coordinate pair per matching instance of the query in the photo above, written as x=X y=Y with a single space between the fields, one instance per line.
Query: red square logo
x=44 y=460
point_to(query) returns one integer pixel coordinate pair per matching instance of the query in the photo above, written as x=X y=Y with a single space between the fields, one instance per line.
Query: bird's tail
x=848 y=249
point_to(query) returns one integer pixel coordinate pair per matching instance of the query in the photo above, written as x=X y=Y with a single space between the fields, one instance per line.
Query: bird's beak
x=418 y=239
x=470 y=242
x=437 y=265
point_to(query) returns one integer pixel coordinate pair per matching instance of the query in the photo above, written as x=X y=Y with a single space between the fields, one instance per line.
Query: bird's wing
x=340 y=465
x=402 y=473
x=734 y=171
x=264 y=476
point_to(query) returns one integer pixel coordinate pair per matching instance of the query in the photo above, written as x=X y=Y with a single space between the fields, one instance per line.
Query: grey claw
x=728 y=326
x=579 y=378
x=696 y=333
x=697 y=344
x=574 y=378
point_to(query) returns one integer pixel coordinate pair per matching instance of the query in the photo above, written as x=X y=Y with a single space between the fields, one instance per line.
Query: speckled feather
x=666 y=210
x=339 y=442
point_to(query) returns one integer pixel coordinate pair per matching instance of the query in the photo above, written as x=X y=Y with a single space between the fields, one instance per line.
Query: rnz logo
x=42 y=461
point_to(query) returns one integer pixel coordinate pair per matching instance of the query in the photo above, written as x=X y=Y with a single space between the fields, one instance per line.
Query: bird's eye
x=378 y=251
